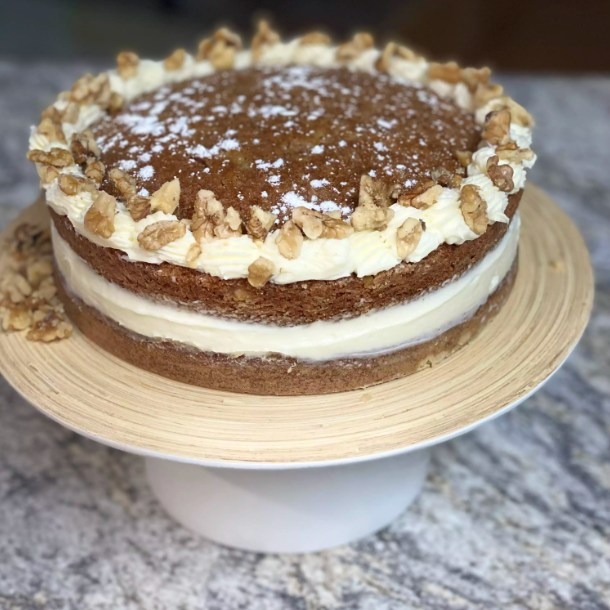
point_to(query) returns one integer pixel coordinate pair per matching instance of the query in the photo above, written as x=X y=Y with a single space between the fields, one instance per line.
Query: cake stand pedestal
x=303 y=473
x=292 y=510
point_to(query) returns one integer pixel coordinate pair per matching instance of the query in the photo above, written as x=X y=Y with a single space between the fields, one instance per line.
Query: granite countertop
x=514 y=515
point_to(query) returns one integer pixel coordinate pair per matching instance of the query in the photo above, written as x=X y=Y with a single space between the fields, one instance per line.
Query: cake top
x=284 y=137
x=283 y=162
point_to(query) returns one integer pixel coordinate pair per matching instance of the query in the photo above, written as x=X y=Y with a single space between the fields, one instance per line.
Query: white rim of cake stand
x=569 y=278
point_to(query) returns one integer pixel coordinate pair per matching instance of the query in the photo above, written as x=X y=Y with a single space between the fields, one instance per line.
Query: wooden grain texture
x=89 y=391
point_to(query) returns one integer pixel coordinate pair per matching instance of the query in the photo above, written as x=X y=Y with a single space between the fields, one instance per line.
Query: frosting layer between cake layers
x=376 y=332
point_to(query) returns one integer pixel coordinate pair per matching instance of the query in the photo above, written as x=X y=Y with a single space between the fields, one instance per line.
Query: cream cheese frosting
x=361 y=253
x=372 y=333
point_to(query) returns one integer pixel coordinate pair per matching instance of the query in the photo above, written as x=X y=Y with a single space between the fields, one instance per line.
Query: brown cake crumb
x=327 y=128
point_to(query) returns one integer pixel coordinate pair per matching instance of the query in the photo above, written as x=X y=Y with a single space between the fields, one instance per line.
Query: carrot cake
x=291 y=218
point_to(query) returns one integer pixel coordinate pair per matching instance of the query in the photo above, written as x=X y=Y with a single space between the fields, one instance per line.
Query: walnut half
x=377 y=192
x=423 y=197
x=211 y=220
x=497 y=127
x=57 y=157
x=220 y=49
x=51 y=128
x=408 y=236
x=73 y=185
x=264 y=37
x=84 y=146
x=122 y=182
x=127 y=64
x=371 y=218
x=260 y=222
x=99 y=218
x=390 y=51
x=175 y=61
x=474 y=209
x=315 y=224
x=161 y=233
x=500 y=175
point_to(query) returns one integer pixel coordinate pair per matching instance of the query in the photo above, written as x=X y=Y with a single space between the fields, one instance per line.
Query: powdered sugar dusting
x=146 y=173
x=284 y=137
x=291 y=200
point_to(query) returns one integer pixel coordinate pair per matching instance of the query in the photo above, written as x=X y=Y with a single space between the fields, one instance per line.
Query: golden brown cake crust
x=275 y=374
x=256 y=135
x=285 y=304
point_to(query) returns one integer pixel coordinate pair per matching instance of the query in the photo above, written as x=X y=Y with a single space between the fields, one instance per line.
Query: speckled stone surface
x=514 y=515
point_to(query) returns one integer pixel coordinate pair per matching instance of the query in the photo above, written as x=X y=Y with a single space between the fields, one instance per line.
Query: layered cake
x=292 y=218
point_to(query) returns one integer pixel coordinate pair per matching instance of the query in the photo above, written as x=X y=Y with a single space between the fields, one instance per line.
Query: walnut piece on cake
x=497 y=127
x=138 y=206
x=390 y=51
x=260 y=272
x=313 y=38
x=260 y=222
x=423 y=196
x=375 y=192
x=464 y=157
x=408 y=236
x=474 y=209
x=264 y=37
x=95 y=170
x=511 y=153
x=452 y=73
x=167 y=197
x=208 y=213
x=122 y=182
x=50 y=127
x=127 y=64
x=500 y=175
x=352 y=49
x=73 y=185
x=231 y=225
x=90 y=89
x=83 y=146
x=210 y=219
x=318 y=225
x=161 y=233
x=99 y=218
x=371 y=218
x=57 y=157
x=175 y=60
x=46 y=173
x=193 y=253
x=220 y=49
x=289 y=240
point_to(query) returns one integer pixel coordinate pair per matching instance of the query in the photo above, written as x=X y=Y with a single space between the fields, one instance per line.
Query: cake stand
x=296 y=474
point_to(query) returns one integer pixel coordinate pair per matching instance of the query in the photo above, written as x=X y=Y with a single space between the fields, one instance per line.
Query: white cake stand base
x=288 y=511
x=303 y=473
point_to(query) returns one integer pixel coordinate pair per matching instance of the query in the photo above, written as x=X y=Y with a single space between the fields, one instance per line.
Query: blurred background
x=511 y=35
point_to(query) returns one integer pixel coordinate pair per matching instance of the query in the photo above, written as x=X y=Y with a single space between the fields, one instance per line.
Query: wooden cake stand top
x=82 y=387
